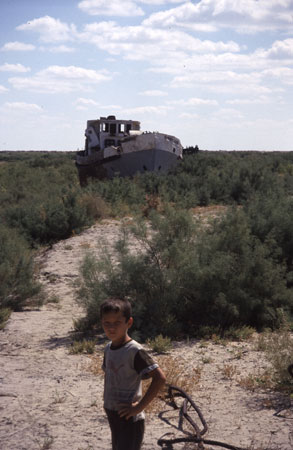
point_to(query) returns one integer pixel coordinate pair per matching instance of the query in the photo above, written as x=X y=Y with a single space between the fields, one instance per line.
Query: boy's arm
x=158 y=381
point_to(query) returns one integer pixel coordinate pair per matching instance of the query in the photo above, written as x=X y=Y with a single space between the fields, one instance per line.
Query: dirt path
x=49 y=399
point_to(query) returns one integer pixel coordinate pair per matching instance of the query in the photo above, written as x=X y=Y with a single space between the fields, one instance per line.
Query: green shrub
x=278 y=347
x=40 y=197
x=234 y=333
x=44 y=219
x=186 y=277
x=144 y=277
x=84 y=346
x=94 y=205
x=92 y=289
x=239 y=334
x=123 y=194
x=17 y=282
x=160 y=344
x=4 y=316
x=270 y=218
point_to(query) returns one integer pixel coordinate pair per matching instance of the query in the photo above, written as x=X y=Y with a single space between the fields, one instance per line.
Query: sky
x=213 y=73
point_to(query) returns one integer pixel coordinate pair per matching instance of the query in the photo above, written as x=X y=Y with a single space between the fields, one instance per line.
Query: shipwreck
x=115 y=147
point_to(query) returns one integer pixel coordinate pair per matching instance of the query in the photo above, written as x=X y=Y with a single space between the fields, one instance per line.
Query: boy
x=125 y=365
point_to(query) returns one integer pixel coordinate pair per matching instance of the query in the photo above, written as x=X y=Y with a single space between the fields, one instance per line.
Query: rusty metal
x=197 y=436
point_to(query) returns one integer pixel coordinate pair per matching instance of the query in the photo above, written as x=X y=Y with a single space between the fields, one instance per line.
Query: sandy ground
x=50 y=400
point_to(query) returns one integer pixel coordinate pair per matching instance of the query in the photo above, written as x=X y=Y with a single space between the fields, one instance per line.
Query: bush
x=17 y=282
x=45 y=219
x=144 y=276
x=270 y=218
x=4 y=316
x=95 y=206
x=160 y=344
x=186 y=277
x=239 y=334
x=125 y=195
x=41 y=198
x=240 y=282
x=84 y=346
x=278 y=347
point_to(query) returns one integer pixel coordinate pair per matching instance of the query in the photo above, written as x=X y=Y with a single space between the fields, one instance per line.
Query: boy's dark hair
x=116 y=305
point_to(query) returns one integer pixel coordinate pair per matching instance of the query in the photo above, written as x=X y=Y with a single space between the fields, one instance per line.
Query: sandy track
x=49 y=399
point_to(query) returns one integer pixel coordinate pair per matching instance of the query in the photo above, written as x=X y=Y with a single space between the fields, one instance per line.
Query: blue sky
x=214 y=73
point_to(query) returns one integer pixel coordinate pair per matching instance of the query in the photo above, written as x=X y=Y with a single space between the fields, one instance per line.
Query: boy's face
x=116 y=327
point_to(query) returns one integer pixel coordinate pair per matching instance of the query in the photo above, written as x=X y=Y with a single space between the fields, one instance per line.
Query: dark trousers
x=126 y=434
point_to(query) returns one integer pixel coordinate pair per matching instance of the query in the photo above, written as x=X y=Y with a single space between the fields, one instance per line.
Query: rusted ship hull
x=128 y=165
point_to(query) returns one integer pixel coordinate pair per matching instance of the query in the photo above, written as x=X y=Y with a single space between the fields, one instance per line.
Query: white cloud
x=262 y=100
x=227 y=82
x=145 y=43
x=110 y=108
x=17 y=47
x=154 y=93
x=188 y=65
x=154 y=110
x=194 y=101
x=160 y=2
x=82 y=104
x=61 y=49
x=228 y=113
x=282 y=74
x=3 y=89
x=22 y=107
x=86 y=101
x=50 y=29
x=14 y=68
x=281 y=50
x=125 y=8
x=243 y=16
x=216 y=76
x=61 y=79
x=189 y=115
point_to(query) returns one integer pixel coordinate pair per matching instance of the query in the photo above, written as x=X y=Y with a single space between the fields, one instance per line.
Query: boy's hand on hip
x=128 y=411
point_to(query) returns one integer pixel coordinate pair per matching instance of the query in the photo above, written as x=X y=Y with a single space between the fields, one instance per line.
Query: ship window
x=105 y=127
x=112 y=128
x=109 y=142
x=121 y=127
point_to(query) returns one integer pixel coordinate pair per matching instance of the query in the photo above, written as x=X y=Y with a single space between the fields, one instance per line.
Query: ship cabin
x=107 y=131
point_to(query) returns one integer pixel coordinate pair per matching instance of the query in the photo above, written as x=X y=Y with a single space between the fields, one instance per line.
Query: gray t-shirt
x=124 y=368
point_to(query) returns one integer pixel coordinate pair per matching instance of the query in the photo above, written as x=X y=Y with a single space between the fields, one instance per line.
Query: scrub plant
x=185 y=279
x=4 y=316
x=160 y=344
x=278 y=348
x=16 y=271
x=84 y=346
